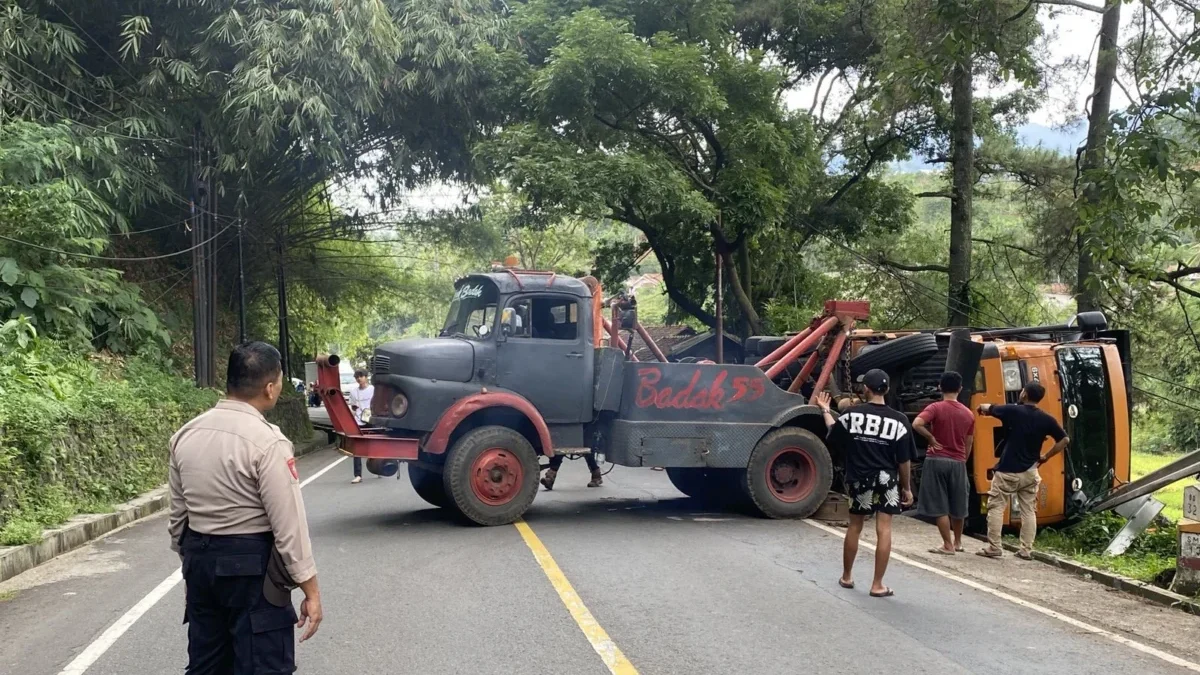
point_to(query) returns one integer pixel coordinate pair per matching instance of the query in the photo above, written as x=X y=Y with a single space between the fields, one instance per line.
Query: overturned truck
x=527 y=366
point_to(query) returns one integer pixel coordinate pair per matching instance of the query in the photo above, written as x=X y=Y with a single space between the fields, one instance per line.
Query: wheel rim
x=791 y=475
x=496 y=476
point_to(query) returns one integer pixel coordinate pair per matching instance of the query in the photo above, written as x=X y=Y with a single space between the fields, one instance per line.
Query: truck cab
x=528 y=334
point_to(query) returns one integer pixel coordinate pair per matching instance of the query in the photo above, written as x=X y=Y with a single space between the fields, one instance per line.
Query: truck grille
x=381 y=364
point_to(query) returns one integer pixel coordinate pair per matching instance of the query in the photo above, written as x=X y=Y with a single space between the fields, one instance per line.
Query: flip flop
x=940 y=551
x=887 y=593
x=845 y=585
x=984 y=553
x=959 y=549
x=1025 y=556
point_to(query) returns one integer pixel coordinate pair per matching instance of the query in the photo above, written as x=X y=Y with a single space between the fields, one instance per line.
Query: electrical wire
x=933 y=294
x=1167 y=400
x=89 y=256
x=1167 y=382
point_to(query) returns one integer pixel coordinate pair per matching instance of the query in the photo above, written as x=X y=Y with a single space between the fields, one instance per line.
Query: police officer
x=237 y=520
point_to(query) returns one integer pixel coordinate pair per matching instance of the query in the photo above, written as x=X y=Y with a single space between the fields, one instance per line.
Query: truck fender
x=463 y=408
x=787 y=417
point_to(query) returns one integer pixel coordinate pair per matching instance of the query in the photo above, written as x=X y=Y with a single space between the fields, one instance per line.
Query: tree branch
x=1026 y=251
x=873 y=157
x=912 y=268
x=1074 y=3
x=627 y=214
x=938 y=193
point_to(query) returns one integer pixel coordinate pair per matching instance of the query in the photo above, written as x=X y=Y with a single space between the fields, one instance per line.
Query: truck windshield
x=473 y=310
x=1087 y=416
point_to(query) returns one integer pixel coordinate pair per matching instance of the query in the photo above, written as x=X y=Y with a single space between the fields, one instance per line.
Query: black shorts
x=876 y=493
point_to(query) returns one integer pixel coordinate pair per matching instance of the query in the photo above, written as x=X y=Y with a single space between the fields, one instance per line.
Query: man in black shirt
x=877 y=443
x=1026 y=427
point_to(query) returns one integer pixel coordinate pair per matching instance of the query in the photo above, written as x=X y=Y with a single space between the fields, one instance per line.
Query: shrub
x=78 y=434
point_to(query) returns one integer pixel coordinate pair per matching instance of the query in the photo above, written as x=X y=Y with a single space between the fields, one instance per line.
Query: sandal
x=846 y=585
x=1025 y=555
x=940 y=551
x=988 y=553
x=887 y=593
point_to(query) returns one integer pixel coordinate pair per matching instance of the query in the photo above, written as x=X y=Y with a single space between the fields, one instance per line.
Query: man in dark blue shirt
x=1026 y=428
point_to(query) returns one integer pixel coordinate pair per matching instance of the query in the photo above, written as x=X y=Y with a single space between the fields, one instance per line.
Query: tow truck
x=522 y=370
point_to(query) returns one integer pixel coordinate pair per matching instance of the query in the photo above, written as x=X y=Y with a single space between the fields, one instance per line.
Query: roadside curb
x=1139 y=588
x=83 y=529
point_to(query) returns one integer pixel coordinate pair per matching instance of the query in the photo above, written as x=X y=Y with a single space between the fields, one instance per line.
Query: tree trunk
x=739 y=293
x=1086 y=296
x=962 y=99
x=747 y=284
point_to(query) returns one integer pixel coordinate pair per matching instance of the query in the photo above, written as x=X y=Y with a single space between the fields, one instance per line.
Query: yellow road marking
x=604 y=646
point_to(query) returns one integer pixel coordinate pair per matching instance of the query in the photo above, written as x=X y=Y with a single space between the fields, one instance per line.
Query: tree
x=932 y=56
x=655 y=117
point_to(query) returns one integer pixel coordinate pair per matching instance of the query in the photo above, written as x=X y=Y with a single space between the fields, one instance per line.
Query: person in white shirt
x=360 y=405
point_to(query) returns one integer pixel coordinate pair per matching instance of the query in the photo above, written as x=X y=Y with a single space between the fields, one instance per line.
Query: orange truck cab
x=1085 y=369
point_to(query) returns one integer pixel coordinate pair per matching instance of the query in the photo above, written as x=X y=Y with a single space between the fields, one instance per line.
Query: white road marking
x=93 y=652
x=1086 y=627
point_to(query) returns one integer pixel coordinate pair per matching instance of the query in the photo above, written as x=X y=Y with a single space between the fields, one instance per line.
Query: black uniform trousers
x=232 y=628
x=557 y=460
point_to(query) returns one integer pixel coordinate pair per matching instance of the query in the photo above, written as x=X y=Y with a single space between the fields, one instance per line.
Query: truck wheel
x=789 y=474
x=428 y=485
x=491 y=475
x=895 y=355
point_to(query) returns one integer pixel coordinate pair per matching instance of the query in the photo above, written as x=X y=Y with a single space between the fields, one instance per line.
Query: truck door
x=544 y=355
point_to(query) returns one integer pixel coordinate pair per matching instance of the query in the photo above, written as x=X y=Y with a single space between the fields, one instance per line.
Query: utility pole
x=241 y=283
x=720 y=312
x=284 y=336
x=204 y=277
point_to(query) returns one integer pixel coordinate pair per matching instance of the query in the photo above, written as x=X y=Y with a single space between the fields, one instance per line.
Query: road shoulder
x=1122 y=613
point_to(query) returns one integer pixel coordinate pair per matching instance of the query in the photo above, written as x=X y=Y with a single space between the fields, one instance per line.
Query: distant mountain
x=1062 y=140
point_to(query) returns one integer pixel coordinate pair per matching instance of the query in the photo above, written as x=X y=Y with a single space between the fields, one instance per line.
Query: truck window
x=544 y=318
x=1086 y=415
x=472 y=311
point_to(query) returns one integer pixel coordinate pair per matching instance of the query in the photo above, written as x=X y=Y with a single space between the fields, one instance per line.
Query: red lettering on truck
x=694 y=396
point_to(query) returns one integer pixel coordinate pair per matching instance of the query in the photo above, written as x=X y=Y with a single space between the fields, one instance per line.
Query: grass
x=1142 y=463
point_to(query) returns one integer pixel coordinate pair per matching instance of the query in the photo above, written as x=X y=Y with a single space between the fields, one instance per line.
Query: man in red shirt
x=947 y=426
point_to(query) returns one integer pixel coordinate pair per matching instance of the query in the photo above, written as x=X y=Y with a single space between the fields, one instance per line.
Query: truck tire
x=789 y=474
x=718 y=487
x=897 y=355
x=428 y=485
x=491 y=475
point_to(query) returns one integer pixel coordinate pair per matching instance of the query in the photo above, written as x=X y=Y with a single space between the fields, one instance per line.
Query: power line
x=33 y=102
x=116 y=259
x=110 y=56
x=1164 y=398
x=929 y=292
x=82 y=96
x=1167 y=382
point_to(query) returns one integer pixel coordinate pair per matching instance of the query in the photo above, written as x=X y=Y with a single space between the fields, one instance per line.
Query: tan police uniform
x=235 y=508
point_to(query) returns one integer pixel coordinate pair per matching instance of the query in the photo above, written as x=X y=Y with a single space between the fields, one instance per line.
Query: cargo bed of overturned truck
x=522 y=372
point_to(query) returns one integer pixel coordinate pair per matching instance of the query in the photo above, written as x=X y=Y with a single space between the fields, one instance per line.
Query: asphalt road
x=408 y=590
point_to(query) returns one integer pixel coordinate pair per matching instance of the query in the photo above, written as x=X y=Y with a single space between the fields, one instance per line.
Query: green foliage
x=49 y=199
x=81 y=433
x=1150 y=554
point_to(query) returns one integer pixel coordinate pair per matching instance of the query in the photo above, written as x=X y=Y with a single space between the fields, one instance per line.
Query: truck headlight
x=399 y=405
x=1012 y=375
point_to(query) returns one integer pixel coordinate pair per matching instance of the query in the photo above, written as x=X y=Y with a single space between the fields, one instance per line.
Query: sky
x=1069 y=40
